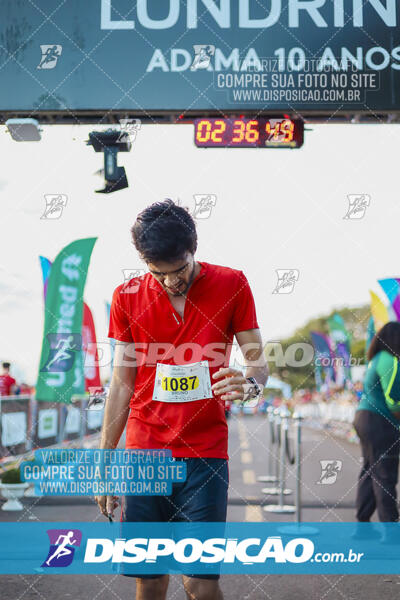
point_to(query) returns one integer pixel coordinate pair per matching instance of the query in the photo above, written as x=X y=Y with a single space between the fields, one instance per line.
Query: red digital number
x=245 y=131
x=203 y=132
x=212 y=132
x=282 y=131
x=272 y=133
x=214 y=135
x=252 y=133
x=287 y=127
x=239 y=130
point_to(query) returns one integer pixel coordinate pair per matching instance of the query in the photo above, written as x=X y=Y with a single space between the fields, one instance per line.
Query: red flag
x=89 y=346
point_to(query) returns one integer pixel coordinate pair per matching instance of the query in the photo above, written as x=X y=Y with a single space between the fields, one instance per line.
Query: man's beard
x=189 y=283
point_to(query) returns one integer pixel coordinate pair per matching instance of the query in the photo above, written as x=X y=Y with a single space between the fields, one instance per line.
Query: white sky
x=276 y=209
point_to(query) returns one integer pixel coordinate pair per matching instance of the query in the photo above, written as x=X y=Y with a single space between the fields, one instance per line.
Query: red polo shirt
x=219 y=304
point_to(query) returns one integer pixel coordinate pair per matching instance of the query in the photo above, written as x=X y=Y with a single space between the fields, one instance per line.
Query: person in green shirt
x=377 y=423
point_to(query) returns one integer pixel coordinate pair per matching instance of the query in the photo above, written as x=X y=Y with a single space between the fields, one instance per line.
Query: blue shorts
x=202 y=497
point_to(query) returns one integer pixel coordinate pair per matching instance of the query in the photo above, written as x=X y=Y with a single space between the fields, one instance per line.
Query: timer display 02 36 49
x=249 y=133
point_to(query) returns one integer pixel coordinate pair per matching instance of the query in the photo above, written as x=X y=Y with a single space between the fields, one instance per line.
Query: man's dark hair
x=387 y=338
x=164 y=232
x=6 y=365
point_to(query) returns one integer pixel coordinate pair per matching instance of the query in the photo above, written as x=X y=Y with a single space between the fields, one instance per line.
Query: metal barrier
x=270 y=477
x=281 y=451
x=280 y=445
x=297 y=419
x=326 y=412
x=27 y=424
x=15 y=424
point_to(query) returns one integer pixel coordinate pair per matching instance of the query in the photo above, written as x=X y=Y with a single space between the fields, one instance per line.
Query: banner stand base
x=275 y=491
x=277 y=508
x=298 y=529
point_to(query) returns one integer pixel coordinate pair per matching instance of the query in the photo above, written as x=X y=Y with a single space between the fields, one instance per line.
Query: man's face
x=175 y=277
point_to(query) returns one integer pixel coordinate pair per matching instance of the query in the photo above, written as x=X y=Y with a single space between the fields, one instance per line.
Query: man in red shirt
x=8 y=385
x=174 y=328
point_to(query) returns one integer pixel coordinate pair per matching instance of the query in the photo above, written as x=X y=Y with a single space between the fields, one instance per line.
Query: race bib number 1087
x=182 y=383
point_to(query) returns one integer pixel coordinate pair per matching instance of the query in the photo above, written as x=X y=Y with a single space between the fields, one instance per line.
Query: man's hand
x=116 y=410
x=231 y=385
x=107 y=504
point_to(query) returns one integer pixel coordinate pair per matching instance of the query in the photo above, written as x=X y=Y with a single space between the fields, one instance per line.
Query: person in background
x=25 y=389
x=377 y=422
x=358 y=390
x=8 y=385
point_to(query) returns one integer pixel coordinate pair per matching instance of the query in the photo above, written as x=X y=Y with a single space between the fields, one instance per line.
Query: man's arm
x=121 y=390
x=233 y=381
x=250 y=343
x=117 y=409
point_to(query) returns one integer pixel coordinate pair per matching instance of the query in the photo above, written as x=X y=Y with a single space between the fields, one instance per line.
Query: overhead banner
x=196 y=55
x=60 y=371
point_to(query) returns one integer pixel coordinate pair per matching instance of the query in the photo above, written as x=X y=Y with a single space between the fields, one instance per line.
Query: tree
x=299 y=377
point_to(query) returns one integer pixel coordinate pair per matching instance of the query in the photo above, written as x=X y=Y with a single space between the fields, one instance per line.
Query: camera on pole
x=110 y=142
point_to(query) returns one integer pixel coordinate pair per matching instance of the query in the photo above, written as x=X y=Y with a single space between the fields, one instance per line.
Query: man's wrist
x=253 y=389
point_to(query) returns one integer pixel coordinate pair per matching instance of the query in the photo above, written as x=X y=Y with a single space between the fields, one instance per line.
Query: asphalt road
x=248 y=449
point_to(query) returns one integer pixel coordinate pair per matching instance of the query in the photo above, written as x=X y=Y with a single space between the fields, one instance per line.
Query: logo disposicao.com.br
x=63 y=543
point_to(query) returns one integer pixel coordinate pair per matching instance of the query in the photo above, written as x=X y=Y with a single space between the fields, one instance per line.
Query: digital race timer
x=249 y=133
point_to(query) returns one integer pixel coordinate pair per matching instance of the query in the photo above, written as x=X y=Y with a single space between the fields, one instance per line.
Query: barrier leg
x=298 y=528
x=277 y=489
x=281 y=507
x=270 y=478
